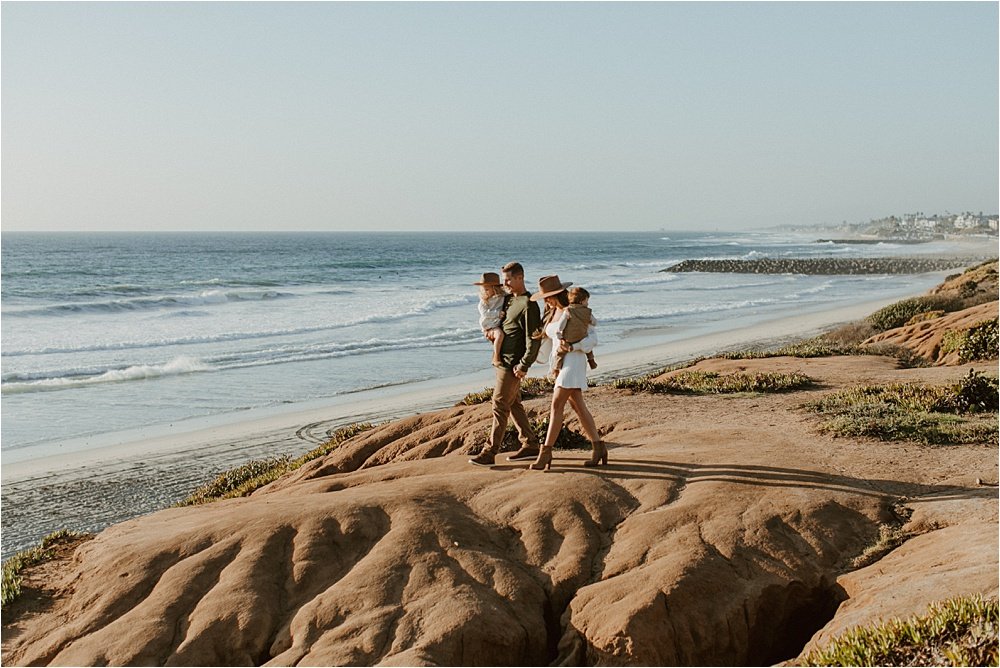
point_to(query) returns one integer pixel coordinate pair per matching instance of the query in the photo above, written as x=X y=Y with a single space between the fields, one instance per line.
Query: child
x=574 y=325
x=492 y=301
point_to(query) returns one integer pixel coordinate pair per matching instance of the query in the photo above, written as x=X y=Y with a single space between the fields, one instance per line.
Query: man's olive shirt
x=518 y=349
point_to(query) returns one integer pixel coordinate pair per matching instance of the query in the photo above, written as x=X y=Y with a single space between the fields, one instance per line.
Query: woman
x=572 y=378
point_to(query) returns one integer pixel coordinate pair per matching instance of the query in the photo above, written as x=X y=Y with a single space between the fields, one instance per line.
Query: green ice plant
x=254 y=474
x=702 y=382
x=44 y=551
x=958 y=632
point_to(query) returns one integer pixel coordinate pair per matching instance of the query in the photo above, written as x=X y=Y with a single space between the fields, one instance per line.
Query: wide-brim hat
x=548 y=286
x=489 y=278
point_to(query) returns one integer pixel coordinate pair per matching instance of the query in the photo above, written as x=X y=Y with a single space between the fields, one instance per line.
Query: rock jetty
x=820 y=266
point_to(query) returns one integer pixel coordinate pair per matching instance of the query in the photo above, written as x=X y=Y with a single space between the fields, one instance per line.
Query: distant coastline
x=886 y=240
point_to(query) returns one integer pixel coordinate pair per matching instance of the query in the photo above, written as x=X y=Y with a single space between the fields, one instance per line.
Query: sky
x=494 y=116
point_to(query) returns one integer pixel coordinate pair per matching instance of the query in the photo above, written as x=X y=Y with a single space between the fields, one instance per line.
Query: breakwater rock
x=860 y=265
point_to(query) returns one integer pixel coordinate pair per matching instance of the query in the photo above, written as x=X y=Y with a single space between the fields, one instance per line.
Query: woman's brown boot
x=544 y=461
x=599 y=456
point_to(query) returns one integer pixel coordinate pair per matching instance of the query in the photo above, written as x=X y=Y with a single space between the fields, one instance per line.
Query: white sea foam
x=245 y=321
x=175 y=367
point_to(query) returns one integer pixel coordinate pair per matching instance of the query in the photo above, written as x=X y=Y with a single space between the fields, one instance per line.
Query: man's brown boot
x=485 y=458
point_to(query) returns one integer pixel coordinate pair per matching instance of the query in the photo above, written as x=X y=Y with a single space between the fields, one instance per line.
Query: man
x=517 y=352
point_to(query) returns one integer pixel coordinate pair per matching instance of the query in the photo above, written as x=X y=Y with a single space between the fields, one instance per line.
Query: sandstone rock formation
x=721 y=533
x=925 y=337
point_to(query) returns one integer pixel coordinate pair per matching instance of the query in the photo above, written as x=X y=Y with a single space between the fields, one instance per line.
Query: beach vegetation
x=979 y=342
x=568 y=439
x=530 y=388
x=338 y=437
x=924 y=317
x=899 y=313
x=963 y=412
x=46 y=550
x=705 y=382
x=889 y=538
x=814 y=347
x=958 y=632
x=243 y=480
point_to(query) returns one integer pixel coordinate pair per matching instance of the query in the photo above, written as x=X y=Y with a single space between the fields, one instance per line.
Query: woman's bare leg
x=558 y=408
x=586 y=419
x=544 y=461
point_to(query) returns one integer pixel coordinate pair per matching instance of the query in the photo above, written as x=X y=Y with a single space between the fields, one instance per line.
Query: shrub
x=911 y=411
x=896 y=315
x=958 y=632
x=44 y=551
x=243 y=480
x=980 y=342
x=974 y=393
x=701 y=382
x=568 y=439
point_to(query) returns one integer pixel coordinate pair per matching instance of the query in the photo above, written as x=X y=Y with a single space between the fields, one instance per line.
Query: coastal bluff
x=726 y=530
x=722 y=533
x=821 y=266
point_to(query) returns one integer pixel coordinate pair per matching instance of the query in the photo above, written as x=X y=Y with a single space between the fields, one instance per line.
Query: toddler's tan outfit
x=575 y=323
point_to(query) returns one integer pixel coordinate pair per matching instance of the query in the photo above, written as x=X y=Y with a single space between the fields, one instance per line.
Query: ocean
x=110 y=332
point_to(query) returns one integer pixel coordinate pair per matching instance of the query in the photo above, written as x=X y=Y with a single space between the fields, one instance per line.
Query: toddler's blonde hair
x=489 y=290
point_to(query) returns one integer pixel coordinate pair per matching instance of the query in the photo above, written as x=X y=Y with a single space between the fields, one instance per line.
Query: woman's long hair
x=550 y=312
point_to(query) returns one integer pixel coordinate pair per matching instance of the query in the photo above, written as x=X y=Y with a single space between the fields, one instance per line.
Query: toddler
x=492 y=303
x=574 y=325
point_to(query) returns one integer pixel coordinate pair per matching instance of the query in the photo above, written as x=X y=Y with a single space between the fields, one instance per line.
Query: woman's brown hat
x=489 y=278
x=548 y=286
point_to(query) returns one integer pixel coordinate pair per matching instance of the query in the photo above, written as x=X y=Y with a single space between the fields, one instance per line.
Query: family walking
x=510 y=319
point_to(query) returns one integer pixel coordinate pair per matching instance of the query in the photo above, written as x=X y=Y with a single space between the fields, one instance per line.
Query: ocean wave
x=204 y=298
x=619 y=287
x=233 y=283
x=421 y=308
x=53 y=380
x=22 y=383
x=597 y=266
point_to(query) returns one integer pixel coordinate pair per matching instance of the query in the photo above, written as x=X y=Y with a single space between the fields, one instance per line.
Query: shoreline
x=386 y=403
x=151 y=469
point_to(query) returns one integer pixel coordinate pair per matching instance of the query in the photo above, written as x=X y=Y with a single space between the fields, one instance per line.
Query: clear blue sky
x=467 y=116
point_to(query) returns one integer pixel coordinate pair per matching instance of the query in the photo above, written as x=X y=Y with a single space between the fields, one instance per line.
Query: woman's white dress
x=574 y=368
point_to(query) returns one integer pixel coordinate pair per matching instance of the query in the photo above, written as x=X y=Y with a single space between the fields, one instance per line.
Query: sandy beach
x=89 y=484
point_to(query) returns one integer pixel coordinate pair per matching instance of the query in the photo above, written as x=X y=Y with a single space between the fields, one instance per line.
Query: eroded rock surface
x=925 y=337
x=720 y=534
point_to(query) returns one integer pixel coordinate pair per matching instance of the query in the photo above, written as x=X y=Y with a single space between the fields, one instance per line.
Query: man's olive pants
x=507 y=402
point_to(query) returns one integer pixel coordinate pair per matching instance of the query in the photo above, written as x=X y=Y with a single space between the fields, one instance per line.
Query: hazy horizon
x=405 y=117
